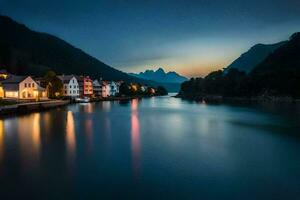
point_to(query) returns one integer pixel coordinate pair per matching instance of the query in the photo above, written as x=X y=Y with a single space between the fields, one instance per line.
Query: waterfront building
x=85 y=85
x=105 y=88
x=22 y=87
x=114 y=88
x=70 y=85
x=97 y=88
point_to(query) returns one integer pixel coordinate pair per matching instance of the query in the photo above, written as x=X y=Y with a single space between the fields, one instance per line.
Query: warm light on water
x=70 y=134
x=135 y=136
x=154 y=148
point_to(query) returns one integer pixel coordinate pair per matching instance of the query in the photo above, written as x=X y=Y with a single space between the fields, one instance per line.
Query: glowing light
x=2 y=140
x=134 y=87
x=36 y=137
x=70 y=135
x=135 y=137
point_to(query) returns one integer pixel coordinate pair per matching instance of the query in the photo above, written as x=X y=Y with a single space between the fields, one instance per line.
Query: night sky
x=190 y=37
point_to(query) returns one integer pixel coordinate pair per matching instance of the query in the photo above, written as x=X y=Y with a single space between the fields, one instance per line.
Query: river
x=153 y=148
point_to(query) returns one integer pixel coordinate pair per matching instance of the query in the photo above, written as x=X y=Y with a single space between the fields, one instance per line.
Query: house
x=97 y=88
x=85 y=85
x=22 y=87
x=105 y=89
x=114 y=88
x=70 y=85
x=144 y=88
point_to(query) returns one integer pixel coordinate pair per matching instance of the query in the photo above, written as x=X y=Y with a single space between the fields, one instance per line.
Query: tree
x=161 y=91
x=53 y=84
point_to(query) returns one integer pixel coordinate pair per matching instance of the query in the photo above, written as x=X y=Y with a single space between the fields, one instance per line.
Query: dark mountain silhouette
x=27 y=52
x=255 y=55
x=276 y=77
x=280 y=71
x=161 y=76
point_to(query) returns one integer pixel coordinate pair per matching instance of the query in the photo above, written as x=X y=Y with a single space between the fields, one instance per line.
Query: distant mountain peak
x=160 y=70
x=160 y=76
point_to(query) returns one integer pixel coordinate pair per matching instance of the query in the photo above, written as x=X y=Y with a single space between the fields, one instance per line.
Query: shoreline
x=258 y=99
x=24 y=108
x=29 y=107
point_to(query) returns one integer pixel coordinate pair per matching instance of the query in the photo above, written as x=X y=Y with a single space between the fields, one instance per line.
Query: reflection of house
x=70 y=85
x=22 y=87
x=97 y=88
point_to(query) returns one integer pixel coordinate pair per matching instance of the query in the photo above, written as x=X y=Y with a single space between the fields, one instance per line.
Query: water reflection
x=135 y=137
x=106 y=105
x=89 y=132
x=36 y=132
x=29 y=132
x=88 y=108
x=70 y=135
x=2 y=140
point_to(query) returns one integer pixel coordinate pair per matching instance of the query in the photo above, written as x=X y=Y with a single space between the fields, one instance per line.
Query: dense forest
x=278 y=75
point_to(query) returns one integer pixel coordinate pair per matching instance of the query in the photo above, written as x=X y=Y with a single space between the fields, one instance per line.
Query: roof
x=3 y=71
x=14 y=79
x=96 y=83
x=66 y=78
x=11 y=87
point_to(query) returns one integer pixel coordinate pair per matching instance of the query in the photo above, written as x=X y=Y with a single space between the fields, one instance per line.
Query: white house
x=97 y=88
x=22 y=87
x=70 y=85
x=114 y=88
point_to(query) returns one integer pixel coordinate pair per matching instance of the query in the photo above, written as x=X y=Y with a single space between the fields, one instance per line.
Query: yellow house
x=22 y=87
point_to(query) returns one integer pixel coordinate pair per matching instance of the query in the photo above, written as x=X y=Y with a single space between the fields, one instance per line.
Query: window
x=32 y=84
x=73 y=81
x=29 y=85
x=65 y=92
x=74 y=86
x=70 y=86
x=25 y=84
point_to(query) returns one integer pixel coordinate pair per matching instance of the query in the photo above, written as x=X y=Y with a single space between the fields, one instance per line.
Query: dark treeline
x=277 y=76
x=136 y=89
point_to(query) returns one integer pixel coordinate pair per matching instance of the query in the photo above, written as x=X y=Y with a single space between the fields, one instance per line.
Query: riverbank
x=10 y=107
x=21 y=108
x=221 y=99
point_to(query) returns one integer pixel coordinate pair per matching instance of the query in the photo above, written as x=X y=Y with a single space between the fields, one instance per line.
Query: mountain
x=280 y=71
x=161 y=76
x=256 y=54
x=27 y=52
x=275 y=78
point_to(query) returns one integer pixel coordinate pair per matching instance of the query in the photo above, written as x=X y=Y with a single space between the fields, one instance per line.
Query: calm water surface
x=156 y=148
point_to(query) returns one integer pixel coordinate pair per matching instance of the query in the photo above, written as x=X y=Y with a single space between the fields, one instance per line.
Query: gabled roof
x=12 y=83
x=96 y=83
x=14 y=79
x=66 y=78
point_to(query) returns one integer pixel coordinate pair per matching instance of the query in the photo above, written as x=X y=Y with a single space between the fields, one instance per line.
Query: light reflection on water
x=135 y=137
x=70 y=135
x=152 y=148
x=2 y=140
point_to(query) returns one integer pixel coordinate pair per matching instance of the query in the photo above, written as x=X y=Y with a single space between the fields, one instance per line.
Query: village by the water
x=26 y=93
